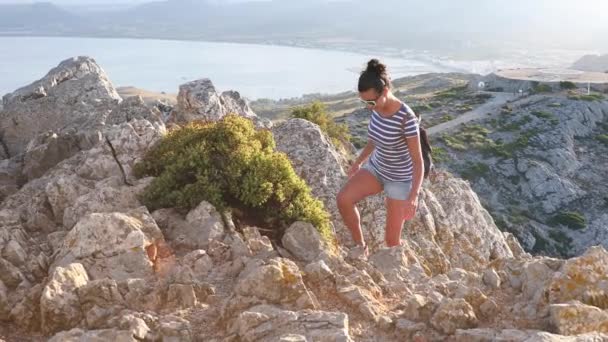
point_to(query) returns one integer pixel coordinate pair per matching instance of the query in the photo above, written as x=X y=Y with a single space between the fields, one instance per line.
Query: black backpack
x=426 y=148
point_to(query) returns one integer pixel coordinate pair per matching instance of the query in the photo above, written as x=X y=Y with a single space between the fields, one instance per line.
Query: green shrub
x=541 y=244
x=603 y=138
x=553 y=120
x=554 y=105
x=541 y=88
x=422 y=108
x=475 y=171
x=507 y=150
x=589 y=98
x=316 y=113
x=231 y=165
x=453 y=142
x=450 y=94
x=570 y=219
x=567 y=85
x=514 y=125
x=446 y=118
x=560 y=237
x=543 y=114
x=440 y=155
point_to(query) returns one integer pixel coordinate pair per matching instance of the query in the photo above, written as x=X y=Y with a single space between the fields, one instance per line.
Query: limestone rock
x=75 y=93
x=79 y=335
x=49 y=148
x=452 y=315
x=59 y=304
x=303 y=240
x=203 y=223
x=112 y=244
x=584 y=278
x=133 y=108
x=267 y=323
x=574 y=318
x=199 y=100
x=10 y=177
x=279 y=281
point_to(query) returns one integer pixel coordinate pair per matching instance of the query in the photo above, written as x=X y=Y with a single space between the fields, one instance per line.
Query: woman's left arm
x=413 y=144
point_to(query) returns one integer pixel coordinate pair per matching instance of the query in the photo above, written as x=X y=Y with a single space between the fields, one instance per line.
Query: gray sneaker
x=359 y=252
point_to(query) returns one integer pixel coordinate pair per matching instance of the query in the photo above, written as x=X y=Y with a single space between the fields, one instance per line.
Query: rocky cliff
x=82 y=259
x=538 y=164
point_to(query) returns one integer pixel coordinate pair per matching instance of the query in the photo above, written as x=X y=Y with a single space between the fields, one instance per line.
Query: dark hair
x=374 y=77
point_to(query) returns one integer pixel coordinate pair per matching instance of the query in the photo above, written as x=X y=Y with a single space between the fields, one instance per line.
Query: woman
x=390 y=162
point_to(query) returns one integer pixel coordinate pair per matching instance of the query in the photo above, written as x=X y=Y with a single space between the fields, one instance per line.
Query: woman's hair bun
x=376 y=67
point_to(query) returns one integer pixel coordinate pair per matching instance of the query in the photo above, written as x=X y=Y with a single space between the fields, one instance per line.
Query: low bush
x=603 y=138
x=316 y=113
x=541 y=88
x=567 y=85
x=475 y=171
x=589 y=98
x=571 y=219
x=233 y=166
x=440 y=155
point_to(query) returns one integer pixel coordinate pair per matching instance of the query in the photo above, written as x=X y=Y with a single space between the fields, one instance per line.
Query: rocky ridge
x=83 y=260
x=533 y=161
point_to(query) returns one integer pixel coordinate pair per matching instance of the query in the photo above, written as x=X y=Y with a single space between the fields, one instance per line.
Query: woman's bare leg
x=359 y=186
x=395 y=213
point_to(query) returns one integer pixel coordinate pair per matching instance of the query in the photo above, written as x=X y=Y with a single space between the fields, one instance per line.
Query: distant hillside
x=399 y=24
x=592 y=63
x=36 y=17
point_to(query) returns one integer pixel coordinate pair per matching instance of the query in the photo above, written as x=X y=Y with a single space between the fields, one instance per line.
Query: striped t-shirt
x=391 y=156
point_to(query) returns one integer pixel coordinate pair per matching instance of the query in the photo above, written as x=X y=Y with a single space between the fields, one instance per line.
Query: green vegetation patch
x=603 y=138
x=513 y=125
x=233 y=166
x=421 y=108
x=567 y=85
x=316 y=113
x=475 y=171
x=440 y=155
x=470 y=136
x=541 y=244
x=546 y=116
x=538 y=88
x=589 y=98
x=571 y=219
x=507 y=150
x=563 y=243
x=451 y=94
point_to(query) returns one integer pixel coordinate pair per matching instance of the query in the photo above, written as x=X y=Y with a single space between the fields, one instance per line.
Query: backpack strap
x=425 y=146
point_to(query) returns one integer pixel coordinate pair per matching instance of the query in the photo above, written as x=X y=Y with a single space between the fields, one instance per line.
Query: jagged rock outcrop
x=199 y=100
x=133 y=108
x=555 y=164
x=75 y=93
x=82 y=259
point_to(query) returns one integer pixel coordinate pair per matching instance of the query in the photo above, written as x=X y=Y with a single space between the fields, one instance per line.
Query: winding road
x=499 y=100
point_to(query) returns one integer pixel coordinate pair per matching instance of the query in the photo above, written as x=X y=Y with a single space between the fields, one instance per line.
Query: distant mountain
x=478 y=27
x=36 y=18
x=592 y=63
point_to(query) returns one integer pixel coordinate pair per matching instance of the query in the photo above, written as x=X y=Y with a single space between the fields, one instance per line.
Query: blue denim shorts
x=393 y=190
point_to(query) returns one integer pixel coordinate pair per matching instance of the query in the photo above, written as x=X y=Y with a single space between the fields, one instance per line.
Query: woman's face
x=372 y=99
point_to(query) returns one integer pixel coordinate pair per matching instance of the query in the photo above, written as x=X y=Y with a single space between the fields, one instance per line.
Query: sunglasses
x=368 y=102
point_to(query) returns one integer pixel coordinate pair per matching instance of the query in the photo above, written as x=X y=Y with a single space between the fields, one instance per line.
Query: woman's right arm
x=367 y=150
